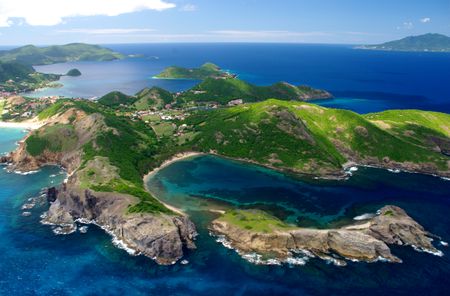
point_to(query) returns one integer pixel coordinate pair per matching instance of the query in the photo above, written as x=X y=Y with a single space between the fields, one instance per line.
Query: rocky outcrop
x=363 y=241
x=161 y=237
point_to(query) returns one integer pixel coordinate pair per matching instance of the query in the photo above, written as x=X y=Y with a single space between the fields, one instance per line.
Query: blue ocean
x=36 y=261
x=361 y=80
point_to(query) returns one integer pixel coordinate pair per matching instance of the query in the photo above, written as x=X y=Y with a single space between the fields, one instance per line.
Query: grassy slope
x=423 y=128
x=303 y=137
x=152 y=97
x=254 y=220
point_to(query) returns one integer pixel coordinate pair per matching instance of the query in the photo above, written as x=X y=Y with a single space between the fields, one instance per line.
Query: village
x=165 y=122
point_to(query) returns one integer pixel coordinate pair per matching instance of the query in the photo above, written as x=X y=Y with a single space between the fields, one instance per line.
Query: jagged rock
x=393 y=226
x=161 y=237
x=51 y=194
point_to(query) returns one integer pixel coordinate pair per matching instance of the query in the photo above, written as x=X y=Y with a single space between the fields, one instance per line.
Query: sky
x=44 y=22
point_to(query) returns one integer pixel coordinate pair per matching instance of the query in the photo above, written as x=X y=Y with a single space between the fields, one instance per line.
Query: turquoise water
x=362 y=80
x=35 y=261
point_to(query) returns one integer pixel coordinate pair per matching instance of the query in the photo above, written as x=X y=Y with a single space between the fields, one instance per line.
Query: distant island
x=33 y=55
x=427 y=42
x=73 y=72
x=207 y=70
x=16 y=65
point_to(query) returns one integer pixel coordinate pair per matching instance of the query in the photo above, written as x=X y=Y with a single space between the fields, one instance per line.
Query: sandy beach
x=32 y=125
x=175 y=158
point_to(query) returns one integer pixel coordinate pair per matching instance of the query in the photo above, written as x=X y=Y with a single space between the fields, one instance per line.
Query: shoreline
x=175 y=158
x=30 y=125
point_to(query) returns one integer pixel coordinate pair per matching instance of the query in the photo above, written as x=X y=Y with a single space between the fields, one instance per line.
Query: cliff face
x=161 y=237
x=365 y=241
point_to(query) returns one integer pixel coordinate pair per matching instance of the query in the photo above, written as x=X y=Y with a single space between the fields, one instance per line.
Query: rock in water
x=367 y=240
x=51 y=194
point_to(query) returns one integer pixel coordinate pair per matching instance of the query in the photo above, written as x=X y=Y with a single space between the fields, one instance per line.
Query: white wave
x=436 y=253
x=334 y=261
x=257 y=259
x=115 y=240
x=83 y=229
x=445 y=244
x=365 y=216
x=65 y=229
x=26 y=173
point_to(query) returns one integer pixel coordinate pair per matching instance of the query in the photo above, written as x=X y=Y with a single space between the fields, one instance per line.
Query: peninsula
x=108 y=146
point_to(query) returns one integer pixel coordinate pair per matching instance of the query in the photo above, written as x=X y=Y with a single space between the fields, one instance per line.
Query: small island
x=73 y=72
x=427 y=42
x=264 y=239
x=207 y=70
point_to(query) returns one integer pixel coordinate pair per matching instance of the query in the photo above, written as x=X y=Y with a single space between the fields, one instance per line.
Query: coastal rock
x=393 y=226
x=367 y=240
x=51 y=194
x=161 y=237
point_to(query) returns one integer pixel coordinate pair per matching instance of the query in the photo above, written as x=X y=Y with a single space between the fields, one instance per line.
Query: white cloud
x=189 y=7
x=425 y=20
x=406 y=26
x=52 y=12
x=110 y=31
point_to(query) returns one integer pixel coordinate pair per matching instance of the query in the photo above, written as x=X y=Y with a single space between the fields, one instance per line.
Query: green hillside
x=225 y=90
x=115 y=99
x=18 y=77
x=117 y=150
x=155 y=97
x=310 y=139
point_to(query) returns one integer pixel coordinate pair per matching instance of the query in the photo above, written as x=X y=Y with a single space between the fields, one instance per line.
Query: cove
x=35 y=261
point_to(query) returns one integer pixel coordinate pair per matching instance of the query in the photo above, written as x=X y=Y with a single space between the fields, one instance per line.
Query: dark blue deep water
x=361 y=80
x=35 y=261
